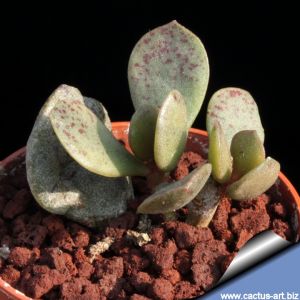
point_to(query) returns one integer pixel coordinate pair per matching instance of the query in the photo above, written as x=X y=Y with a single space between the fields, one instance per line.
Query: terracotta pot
x=197 y=141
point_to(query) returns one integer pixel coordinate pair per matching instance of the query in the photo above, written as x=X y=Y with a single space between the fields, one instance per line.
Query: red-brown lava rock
x=49 y=255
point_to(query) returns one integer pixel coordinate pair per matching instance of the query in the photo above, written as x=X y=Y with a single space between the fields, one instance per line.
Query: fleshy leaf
x=167 y=58
x=219 y=155
x=59 y=184
x=90 y=143
x=247 y=151
x=171 y=132
x=235 y=110
x=142 y=131
x=255 y=182
x=204 y=206
x=176 y=194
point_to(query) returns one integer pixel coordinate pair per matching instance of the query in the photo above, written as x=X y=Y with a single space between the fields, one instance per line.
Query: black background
x=250 y=45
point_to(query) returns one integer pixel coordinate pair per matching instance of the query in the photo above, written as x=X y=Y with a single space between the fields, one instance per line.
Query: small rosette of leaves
x=233 y=121
x=167 y=58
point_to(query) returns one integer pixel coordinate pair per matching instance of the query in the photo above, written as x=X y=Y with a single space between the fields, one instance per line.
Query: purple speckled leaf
x=235 y=110
x=167 y=58
x=90 y=143
x=62 y=186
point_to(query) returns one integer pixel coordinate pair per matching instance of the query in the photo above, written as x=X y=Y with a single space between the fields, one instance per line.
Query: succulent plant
x=233 y=120
x=58 y=183
x=77 y=168
x=236 y=153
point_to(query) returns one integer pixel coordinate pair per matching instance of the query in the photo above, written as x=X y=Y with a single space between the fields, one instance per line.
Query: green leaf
x=235 y=110
x=171 y=132
x=142 y=131
x=59 y=184
x=205 y=204
x=247 y=151
x=219 y=155
x=256 y=181
x=167 y=58
x=90 y=143
x=176 y=194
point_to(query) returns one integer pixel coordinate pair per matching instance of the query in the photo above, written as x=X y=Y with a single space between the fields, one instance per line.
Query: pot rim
x=11 y=293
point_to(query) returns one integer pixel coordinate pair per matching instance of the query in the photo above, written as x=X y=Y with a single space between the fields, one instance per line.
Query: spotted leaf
x=90 y=143
x=58 y=183
x=235 y=110
x=167 y=58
